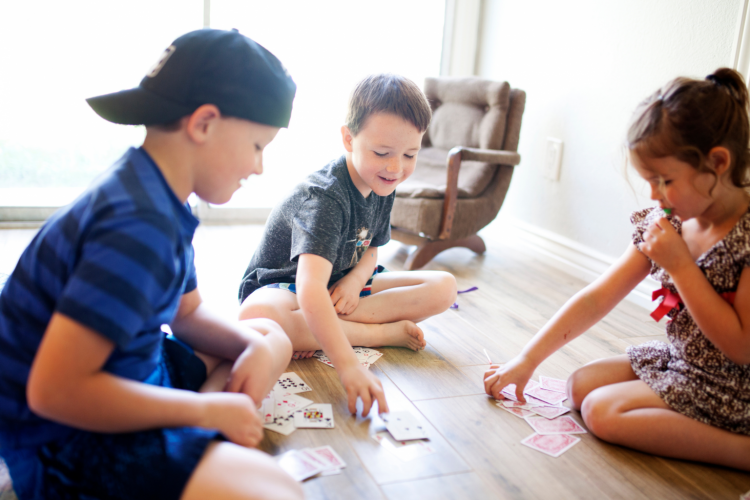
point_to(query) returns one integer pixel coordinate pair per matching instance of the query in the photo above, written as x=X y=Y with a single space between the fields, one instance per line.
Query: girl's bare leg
x=230 y=472
x=596 y=374
x=621 y=409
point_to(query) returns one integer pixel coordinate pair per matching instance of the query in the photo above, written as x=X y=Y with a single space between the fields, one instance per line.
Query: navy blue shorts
x=139 y=465
x=365 y=292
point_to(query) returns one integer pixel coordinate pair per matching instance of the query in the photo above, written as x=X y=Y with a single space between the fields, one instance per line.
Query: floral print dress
x=690 y=374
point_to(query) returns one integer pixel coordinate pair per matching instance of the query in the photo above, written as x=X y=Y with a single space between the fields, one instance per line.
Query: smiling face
x=234 y=154
x=383 y=154
x=677 y=185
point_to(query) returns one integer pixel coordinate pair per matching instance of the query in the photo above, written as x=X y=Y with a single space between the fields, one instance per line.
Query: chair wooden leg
x=427 y=251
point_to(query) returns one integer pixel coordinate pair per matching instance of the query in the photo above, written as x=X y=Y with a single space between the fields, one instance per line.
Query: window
x=52 y=144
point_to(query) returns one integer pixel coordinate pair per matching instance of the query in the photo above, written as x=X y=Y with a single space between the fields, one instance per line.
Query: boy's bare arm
x=313 y=272
x=345 y=292
x=207 y=332
x=67 y=385
x=255 y=347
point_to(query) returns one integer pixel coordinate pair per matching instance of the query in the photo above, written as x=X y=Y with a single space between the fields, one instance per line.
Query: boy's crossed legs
x=387 y=317
x=620 y=408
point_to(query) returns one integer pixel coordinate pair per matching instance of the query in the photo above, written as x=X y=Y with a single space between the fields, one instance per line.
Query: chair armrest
x=455 y=156
x=494 y=156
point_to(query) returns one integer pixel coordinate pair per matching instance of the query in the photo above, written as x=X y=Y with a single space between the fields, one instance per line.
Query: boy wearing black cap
x=320 y=244
x=94 y=401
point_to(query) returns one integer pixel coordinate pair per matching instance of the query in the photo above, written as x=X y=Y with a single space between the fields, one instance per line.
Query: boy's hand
x=358 y=382
x=345 y=294
x=251 y=372
x=516 y=371
x=663 y=245
x=235 y=416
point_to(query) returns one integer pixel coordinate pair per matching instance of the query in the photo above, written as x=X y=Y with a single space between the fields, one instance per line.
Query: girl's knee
x=577 y=388
x=600 y=416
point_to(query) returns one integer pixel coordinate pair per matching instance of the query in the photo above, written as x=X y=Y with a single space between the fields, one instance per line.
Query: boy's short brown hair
x=386 y=93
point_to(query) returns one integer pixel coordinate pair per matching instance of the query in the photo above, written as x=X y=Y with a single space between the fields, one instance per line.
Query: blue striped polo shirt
x=116 y=260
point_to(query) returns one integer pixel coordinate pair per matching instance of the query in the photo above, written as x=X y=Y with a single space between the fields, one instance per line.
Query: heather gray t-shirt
x=325 y=215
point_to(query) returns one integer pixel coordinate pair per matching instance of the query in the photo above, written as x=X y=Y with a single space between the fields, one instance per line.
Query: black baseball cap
x=206 y=66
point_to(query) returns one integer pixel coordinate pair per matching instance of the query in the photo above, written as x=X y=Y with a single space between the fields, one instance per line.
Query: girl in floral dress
x=689 y=398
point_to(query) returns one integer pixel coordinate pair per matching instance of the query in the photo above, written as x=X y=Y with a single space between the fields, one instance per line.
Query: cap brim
x=138 y=106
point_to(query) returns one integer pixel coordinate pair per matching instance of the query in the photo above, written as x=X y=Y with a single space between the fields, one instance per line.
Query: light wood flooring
x=478 y=450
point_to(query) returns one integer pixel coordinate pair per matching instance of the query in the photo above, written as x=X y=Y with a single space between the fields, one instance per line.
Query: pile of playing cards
x=542 y=411
x=405 y=436
x=284 y=411
x=365 y=355
x=308 y=462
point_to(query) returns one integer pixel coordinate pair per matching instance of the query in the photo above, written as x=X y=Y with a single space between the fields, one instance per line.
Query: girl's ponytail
x=732 y=82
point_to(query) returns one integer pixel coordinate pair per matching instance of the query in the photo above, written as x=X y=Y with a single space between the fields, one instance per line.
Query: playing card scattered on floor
x=562 y=425
x=291 y=383
x=279 y=406
x=365 y=355
x=542 y=411
x=403 y=450
x=550 y=411
x=317 y=416
x=553 y=384
x=518 y=411
x=553 y=445
x=299 y=466
x=404 y=426
x=327 y=457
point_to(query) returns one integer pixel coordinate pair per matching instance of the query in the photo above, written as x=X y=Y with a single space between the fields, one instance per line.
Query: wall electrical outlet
x=553 y=161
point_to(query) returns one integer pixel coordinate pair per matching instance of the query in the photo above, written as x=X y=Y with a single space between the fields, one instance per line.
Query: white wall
x=585 y=65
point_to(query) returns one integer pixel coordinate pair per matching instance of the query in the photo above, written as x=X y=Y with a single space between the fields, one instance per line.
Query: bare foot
x=403 y=334
x=302 y=354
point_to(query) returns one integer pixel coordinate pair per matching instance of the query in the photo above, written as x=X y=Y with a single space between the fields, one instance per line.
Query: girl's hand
x=345 y=294
x=358 y=382
x=516 y=371
x=663 y=245
x=235 y=416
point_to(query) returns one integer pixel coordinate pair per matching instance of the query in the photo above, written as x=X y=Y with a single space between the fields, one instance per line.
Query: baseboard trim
x=571 y=257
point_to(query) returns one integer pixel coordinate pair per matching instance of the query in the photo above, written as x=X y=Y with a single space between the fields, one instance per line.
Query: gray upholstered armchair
x=464 y=168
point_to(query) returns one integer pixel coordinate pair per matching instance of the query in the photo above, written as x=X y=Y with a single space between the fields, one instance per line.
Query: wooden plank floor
x=478 y=450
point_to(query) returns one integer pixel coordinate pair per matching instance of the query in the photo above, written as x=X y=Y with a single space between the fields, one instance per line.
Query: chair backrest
x=470 y=112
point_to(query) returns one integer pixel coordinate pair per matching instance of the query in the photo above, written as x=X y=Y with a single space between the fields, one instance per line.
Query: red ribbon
x=672 y=300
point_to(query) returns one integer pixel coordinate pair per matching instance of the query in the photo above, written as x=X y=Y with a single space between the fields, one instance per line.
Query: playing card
x=282 y=425
x=298 y=466
x=327 y=455
x=553 y=446
x=291 y=383
x=519 y=412
x=404 y=450
x=286 y=404
x=403 y=426
x=517 y=404
x=510 y=390
x=267 y=408
x=328 y=469
x=553 y=384
x=317 y=416
x=561 y=425
x=550 y=411
x=746 y=496
x=547 y=396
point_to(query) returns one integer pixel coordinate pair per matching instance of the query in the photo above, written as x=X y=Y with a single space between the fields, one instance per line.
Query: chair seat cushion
x=429 y=177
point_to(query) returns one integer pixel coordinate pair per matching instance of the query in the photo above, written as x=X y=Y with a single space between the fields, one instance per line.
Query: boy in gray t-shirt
x=315 y=271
